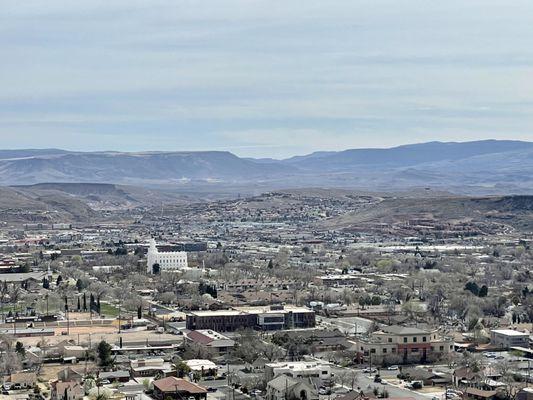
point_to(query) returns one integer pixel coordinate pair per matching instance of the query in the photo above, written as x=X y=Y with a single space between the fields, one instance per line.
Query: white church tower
x=167 y=260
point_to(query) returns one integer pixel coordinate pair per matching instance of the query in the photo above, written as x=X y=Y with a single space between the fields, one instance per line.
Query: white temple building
x=167 y=260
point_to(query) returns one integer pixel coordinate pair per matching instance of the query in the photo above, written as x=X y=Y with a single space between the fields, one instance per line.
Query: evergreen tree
x=104 y=354
x=19 y=348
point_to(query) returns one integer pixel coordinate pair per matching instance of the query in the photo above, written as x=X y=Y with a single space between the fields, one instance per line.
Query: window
x=441 y=348
x=414 y=339
x=393 y=350
x=389 y=340
x=424 y=339
x=384 y=351
x=373 y=351
x=405 y=340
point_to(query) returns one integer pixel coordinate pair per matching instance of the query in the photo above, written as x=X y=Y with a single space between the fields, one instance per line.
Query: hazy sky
x=263 y=78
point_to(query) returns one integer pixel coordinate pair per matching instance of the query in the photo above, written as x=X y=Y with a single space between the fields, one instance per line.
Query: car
x=255 y=392
x=212 y=389
x=324 y=391
x=370 y=370
x=105 y=382
x=7 y=385
x=454 y=392
x=393 y=368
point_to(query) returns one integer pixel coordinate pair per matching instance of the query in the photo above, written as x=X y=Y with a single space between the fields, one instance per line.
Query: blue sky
x=263 y=78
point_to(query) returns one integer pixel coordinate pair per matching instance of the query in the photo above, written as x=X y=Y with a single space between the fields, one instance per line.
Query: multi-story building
x=401 y=344
x=507 y=338
x=262 y=318
x=165 y=260
x=337 y=280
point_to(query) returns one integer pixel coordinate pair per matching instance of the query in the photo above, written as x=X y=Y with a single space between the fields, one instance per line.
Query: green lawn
x=108 y=310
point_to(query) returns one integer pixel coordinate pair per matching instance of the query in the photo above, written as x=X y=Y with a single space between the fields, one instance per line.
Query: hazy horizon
x=262 y=78
x=244 y=156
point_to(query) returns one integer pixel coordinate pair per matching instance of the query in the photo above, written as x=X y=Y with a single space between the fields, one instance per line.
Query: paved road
x=223 y=391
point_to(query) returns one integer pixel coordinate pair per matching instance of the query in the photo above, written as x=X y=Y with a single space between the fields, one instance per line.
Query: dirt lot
x=94 y=334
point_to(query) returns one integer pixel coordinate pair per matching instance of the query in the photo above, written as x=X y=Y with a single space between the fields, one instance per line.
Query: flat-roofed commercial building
x=507 y=338
x=262 y=318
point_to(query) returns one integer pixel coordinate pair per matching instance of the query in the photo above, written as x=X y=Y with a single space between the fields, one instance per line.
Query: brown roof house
x=23 y=380
x=178 y=389
x=67 y=390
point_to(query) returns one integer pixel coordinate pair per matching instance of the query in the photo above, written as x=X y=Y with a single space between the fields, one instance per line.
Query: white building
x=507 y=338
x=167 y=260
x=299 y=369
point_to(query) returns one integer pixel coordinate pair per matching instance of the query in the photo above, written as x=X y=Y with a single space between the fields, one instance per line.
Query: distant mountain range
x=482 y=167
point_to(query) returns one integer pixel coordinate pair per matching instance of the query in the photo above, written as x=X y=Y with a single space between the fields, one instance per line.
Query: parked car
x=370 y=370
x=393 y=368
x=324 y=391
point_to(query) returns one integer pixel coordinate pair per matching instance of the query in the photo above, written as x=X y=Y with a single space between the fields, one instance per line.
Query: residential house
x=209 y=340
x=22 y=380
x=71 y=390
x=178 y=389
x=285 y=387
x=69 y=374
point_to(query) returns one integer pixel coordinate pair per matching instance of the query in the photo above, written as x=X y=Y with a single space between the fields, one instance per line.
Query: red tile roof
x=173 y=384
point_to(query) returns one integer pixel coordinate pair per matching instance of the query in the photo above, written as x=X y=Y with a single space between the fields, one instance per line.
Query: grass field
x=108 y=310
